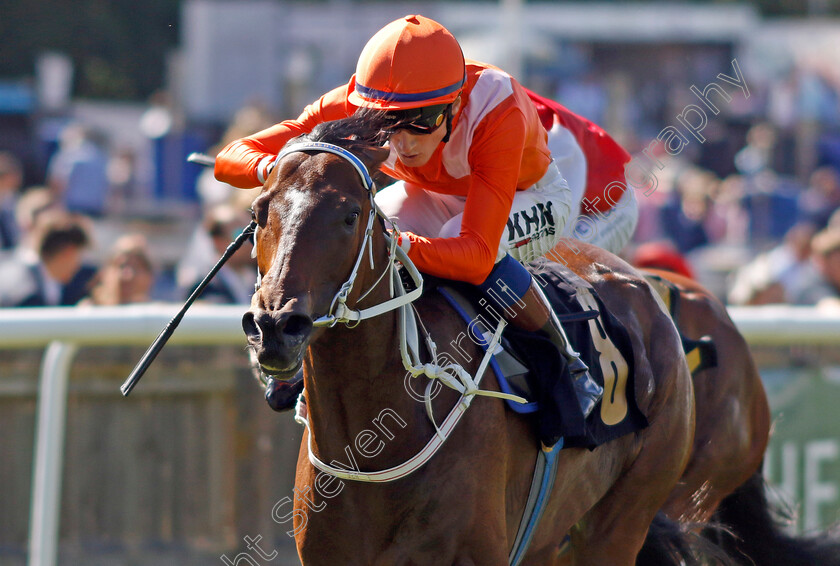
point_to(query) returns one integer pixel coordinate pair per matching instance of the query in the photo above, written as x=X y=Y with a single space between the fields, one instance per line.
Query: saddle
x=528 y=364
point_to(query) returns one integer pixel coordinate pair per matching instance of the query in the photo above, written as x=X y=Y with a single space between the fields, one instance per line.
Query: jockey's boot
x=282 y=395
x=537 y=314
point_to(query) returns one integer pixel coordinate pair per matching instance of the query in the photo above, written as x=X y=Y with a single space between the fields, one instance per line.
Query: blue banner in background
x=175 y=178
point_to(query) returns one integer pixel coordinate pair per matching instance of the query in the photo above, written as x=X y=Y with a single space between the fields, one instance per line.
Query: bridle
x=451 y=374
x=339 y=312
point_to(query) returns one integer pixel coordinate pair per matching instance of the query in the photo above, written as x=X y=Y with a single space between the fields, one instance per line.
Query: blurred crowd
x=775 y=240
x=47 y=234
x=758 y=224
x=751 y=212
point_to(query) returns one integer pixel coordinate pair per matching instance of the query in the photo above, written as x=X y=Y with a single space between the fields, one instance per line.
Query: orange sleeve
x=495 y=156
x=237 y=164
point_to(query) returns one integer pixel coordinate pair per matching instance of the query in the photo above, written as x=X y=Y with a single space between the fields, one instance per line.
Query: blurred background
x=101 y=102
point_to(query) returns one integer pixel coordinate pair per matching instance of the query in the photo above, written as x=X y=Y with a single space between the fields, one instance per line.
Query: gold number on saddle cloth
x=613 y=365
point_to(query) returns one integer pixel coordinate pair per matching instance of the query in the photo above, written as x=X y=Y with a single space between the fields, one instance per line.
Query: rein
x=451 y=374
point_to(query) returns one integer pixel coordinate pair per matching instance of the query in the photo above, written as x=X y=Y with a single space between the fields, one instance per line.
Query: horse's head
x=312 y=216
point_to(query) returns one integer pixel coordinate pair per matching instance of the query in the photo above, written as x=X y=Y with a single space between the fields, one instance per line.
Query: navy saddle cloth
x=553 y=406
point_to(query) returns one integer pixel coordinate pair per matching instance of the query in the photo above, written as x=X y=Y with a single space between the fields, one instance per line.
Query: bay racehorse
x=325 y=267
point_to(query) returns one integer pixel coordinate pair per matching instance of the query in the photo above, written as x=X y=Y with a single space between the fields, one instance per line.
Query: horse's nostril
x=249 y=324
x=296 y=325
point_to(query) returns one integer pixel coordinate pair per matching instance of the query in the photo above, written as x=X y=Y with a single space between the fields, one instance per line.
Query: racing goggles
x=416 y=120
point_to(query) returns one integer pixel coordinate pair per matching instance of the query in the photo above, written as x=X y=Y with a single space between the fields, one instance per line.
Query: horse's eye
x=259 y=212
x=351 y=218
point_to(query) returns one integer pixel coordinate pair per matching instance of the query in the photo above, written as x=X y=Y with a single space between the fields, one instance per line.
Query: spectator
x=78 y=172
x=823 y=287
x=757 y=155
x=687 y=214
x=779 y=275
x=234 y=283
x=11 y=180
x=123 y=180
x=771 y=203
x=822 y=197
x=649 y=228
x=731 y=219
x=31 y=205
x=54 y=274
x=127 y=276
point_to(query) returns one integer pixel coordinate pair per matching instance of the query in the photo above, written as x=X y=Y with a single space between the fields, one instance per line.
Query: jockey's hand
x=402 y=239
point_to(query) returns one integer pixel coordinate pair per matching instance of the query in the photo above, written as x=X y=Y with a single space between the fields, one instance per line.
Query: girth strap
x=545 y=471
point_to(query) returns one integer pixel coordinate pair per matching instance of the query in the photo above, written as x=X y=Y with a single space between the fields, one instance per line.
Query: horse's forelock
x=361 y=131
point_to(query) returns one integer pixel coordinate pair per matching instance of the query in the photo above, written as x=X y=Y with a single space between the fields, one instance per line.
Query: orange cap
x=411 y=62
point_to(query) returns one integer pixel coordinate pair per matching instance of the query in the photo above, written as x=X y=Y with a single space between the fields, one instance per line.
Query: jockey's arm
x=244 y=162
x=495 y=157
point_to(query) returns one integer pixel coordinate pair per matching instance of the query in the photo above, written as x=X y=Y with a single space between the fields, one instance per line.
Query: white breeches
x=536 y=222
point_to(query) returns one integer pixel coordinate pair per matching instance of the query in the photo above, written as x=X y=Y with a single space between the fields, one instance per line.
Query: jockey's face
x=415 y=150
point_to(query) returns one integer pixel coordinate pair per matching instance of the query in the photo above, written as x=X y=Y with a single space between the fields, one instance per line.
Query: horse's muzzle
x=279 y=339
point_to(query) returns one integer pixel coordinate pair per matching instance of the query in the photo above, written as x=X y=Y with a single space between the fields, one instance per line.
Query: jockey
x=478 y=191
